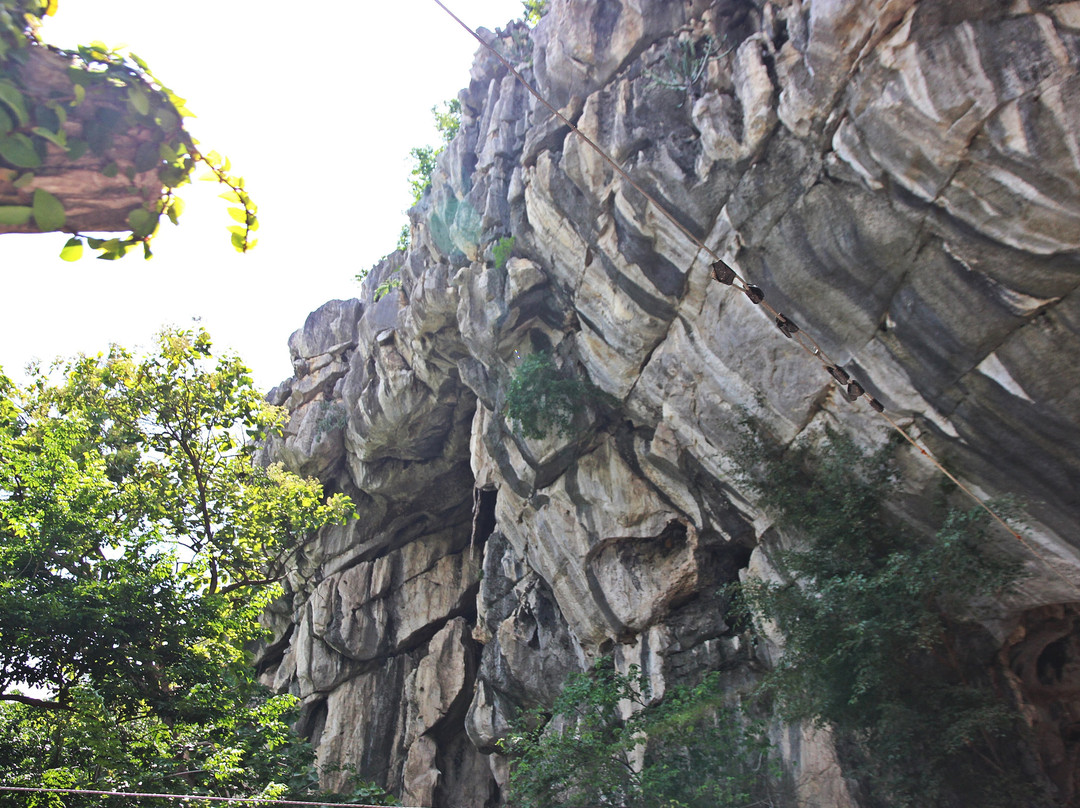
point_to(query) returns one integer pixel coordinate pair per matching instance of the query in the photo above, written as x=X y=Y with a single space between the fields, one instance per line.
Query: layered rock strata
x=901 y=177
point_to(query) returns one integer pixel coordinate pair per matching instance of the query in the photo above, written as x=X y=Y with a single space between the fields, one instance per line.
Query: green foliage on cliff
x=540 y=397
x=138 y=547
x=502 y=250
x=447 y=123
x=683 y=66
x=423 y=158
x=875 y=641
x=685 y=751
x=534 y=10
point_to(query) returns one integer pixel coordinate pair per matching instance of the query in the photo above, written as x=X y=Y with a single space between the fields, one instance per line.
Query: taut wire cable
x=202 y=798
x=721 y=272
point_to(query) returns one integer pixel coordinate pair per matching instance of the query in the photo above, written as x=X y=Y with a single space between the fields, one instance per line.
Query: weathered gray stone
x=900 y=177
x=331 y=329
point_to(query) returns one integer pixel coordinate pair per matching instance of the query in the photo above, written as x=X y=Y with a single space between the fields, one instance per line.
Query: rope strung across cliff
x=185 y=797
x=852 y=389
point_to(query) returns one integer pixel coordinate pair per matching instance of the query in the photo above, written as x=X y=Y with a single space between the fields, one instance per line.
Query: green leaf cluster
x=875 y=641
x=541 y=397
x=247 y=749
x=447 y=122
x=502 y=250
x=19 y=20
x=384 y=288
x=423 y=158
x=534 y=10
x=683 y=67
x=447 y=119
x=685 y=751
x=332 y=417
x=125 y=99
x=244 y=210
x=139 y=545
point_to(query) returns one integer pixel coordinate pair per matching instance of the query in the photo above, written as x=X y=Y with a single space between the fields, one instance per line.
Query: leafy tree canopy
x=138 y=546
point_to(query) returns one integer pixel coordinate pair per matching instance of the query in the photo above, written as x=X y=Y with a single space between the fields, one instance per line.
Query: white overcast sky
x=317 y=107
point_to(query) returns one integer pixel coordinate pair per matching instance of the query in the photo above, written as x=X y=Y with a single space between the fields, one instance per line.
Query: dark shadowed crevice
x=271 y=656
x=312 y=721
x=483 y=525
x=1043 y=658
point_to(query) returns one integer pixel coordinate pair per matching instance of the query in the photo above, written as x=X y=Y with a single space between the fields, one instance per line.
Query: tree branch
x=246 y=582
x=45 y=704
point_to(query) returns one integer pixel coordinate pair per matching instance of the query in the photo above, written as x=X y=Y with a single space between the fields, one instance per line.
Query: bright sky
x=317 y=107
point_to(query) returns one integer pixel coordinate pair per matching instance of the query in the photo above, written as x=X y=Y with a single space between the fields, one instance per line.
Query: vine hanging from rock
x=91 y=141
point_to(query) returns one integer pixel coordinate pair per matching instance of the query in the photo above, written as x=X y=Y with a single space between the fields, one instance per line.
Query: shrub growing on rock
x=687 y=750
x=541 y=397
x=875 y=640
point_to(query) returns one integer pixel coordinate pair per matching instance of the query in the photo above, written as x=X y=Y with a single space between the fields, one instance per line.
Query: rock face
x=901 y=177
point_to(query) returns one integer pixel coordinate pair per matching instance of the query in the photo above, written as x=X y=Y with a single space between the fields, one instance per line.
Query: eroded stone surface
x=901 y=177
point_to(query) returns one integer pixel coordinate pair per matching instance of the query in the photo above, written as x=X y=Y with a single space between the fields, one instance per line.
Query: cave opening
x=1043 y=659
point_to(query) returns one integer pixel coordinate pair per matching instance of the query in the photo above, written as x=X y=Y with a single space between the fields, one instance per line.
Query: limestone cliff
x=901 y=177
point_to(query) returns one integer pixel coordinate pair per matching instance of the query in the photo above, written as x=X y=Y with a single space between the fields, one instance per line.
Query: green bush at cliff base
x=541 y=397
x=876 y=646
x=685 y=751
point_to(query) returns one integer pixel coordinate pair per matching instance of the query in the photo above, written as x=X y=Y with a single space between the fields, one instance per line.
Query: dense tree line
x=138 y=546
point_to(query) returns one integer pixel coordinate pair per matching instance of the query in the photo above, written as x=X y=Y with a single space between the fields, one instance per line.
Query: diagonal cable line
x=185 y=797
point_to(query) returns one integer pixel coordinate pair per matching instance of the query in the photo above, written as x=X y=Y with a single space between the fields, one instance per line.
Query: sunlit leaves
x=173 y=207
x=195 y=417
x=138 y=542
x=242 y=235
x=534 y=10
x=447 y=122
x=73 y=249
x=142 y=222
x=423 y=167
x=447 y=119
x=244 y=746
